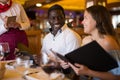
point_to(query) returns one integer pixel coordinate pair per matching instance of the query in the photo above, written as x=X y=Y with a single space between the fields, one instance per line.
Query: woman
x=97 y=23
x=13 y=32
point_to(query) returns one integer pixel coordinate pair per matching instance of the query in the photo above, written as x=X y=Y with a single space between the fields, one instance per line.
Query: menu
x=93 y=56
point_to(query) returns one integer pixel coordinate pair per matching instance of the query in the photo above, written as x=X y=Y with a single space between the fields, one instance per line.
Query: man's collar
x=63 y=28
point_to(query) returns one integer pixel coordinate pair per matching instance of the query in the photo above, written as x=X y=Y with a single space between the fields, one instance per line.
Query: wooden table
x=16 y=74
x=39 y=75
x=12 y=75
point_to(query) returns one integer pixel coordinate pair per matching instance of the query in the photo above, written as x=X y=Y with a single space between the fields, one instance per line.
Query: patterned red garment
x=5 y=7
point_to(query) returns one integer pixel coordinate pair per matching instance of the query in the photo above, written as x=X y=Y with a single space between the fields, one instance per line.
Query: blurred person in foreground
x=97 y=23
x=13 y=32
x=61 y=39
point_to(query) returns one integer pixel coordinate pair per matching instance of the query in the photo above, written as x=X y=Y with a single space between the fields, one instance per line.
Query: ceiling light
x=38 y=4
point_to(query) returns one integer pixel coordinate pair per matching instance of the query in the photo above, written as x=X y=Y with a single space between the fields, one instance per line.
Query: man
x=61 y=39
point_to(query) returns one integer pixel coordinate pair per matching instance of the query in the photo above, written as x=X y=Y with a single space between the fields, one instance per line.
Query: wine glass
x=1 y=53
x=23 y=64
x=52 y=65
x=4 y=50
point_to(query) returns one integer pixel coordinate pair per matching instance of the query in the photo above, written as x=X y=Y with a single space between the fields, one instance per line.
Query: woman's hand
x=79 y=69
x=17 y=25
x=11 y=24
x=14 y=25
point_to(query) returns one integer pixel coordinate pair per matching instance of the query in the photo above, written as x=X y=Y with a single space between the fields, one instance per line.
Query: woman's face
x=4 y=1
x=89 y=23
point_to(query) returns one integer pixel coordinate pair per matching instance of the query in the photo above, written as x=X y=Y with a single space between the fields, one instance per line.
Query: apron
x=13 y=37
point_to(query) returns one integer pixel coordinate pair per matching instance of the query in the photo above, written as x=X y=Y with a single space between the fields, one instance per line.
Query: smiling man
x=61 y=39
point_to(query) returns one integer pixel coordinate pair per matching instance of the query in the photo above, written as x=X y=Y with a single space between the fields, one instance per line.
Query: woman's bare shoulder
x=86 y=40
x=109 y=43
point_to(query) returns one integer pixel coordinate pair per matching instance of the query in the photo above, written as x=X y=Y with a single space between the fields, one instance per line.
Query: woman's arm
x=25 y=23
x=83 y=70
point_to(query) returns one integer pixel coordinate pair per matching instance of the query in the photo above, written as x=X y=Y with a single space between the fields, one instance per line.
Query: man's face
x=56 y=19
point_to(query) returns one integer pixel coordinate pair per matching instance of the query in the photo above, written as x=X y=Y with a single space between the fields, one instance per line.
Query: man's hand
x=64 y=64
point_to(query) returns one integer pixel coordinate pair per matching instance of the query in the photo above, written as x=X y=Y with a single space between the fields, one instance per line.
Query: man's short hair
x=56 y=7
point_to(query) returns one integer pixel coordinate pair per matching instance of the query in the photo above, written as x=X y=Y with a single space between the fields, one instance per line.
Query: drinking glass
x=23 y=64
x=52 y=65
x=4 y=50
x=1 y=53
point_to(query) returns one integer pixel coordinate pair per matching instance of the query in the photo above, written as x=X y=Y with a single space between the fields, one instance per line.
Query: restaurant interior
x=37 y=13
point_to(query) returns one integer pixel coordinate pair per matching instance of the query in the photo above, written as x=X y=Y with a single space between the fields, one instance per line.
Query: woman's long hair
x=103 y=20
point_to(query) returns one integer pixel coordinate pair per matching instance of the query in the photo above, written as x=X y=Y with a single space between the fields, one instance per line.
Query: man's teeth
x=57 y=25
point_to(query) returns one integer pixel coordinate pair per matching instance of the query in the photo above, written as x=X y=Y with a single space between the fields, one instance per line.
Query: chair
x=2 y=69
x=34 y=40
x=118 y=33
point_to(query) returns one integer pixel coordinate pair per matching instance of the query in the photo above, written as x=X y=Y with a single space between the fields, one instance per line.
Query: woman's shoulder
x=109 y=43
x=87 y=39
